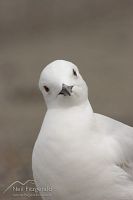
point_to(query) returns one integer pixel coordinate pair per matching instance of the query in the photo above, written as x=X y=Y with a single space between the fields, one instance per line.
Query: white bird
x=79 y=154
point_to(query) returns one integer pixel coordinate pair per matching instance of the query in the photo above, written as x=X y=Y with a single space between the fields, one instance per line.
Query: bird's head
x=62 y=85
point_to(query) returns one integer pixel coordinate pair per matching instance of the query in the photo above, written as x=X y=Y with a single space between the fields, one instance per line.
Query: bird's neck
x=82 y=110
x=68 y=121
x=84 y=106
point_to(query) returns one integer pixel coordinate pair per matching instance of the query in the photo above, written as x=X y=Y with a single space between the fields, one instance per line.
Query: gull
x=79 y=154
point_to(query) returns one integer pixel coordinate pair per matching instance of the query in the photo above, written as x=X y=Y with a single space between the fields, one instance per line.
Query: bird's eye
x=74 y=73
x=46 y=88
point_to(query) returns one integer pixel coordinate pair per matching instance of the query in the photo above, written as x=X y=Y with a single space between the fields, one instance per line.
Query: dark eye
x=74 y=73
x=46 y=88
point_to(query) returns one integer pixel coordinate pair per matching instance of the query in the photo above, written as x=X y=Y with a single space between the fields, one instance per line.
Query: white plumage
x=81 y=155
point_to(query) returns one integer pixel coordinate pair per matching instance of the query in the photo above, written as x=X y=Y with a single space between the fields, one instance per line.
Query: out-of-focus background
x=97 y=35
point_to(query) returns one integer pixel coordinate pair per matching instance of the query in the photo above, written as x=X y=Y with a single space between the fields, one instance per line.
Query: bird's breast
x=69 y=155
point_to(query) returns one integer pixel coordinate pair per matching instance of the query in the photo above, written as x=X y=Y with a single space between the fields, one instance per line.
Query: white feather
x=80 y=154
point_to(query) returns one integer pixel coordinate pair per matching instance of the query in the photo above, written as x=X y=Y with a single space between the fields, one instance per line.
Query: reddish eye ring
x=46 y=88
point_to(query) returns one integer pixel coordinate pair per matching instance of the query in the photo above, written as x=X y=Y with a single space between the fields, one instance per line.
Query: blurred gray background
x=97 y=35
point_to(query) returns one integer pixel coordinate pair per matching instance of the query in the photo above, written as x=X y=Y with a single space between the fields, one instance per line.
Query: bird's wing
x=123 y=134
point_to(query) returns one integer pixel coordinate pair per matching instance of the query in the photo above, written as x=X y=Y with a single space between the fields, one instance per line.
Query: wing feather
x=123 y=134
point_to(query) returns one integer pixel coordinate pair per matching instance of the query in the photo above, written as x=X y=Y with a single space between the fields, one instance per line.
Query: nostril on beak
x=71 y=87
x=67 y=86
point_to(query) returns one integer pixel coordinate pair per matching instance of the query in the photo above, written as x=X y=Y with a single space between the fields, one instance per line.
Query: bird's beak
x=66 y=90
